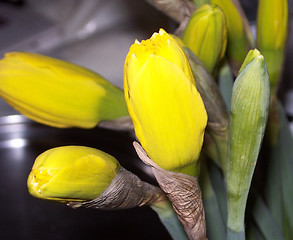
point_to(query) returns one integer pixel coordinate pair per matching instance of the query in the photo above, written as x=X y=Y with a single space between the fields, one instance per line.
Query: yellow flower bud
x=206 y=35
x=71 y=173
x=272 y=30
x=272 y=24
x=58 y=93
x=238 y=44
x=167 y=111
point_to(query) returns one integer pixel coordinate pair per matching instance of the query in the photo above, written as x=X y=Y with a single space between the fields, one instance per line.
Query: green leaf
x=226 y=84
x=273 y=191
x=219 y=187
x=216 y=227
x=265 y=221
x=286 y=161
x=253 y=232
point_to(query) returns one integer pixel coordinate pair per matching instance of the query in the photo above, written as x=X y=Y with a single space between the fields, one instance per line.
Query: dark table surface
x=27 y=218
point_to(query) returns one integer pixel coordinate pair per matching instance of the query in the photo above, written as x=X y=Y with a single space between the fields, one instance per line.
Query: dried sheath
x=184 y=192
x=178 y=9
x=125 y=191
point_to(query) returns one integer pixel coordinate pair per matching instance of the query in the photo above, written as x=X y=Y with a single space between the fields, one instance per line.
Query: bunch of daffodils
x=203 y=105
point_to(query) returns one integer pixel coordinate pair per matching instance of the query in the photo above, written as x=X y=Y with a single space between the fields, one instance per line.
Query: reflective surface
x=24 y=217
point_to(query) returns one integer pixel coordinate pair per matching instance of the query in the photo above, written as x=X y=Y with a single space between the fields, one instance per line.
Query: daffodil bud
x=167 y=111
x=272 y=30
x=238 y=39
x=249 y=114
x=249 y=57
x=206 y=35
x=72 y=173
x=58 y=93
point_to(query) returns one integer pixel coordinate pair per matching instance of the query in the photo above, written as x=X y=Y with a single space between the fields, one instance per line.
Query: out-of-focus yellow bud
x=272 y=23
x=71 y=173
x=238 y=44
x=206 y=35
x=272 y=30
x=167 y=111
x=58 y=93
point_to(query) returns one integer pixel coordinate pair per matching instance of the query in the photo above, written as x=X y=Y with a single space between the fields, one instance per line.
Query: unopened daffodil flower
x=72 y=173
x=58 y=93
x=168 y=113
x=206 y=35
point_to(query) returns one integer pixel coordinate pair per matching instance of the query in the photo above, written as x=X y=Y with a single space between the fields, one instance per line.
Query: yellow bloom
x=206 y=35
x=167 y=111
x=71 y=173
x=58 y=93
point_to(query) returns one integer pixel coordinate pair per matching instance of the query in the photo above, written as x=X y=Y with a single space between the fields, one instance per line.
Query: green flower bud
x=249 y=114
x=250 y=56
x=72 y=173
x=206 y=35
x=58 y=93
x=272 y=31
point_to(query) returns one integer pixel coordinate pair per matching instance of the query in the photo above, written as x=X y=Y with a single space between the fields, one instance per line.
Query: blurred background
x=95 y=34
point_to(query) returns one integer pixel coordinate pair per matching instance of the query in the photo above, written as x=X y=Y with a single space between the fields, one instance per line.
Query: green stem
x=216 y=228
x=170 y=220
x=235 y=235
